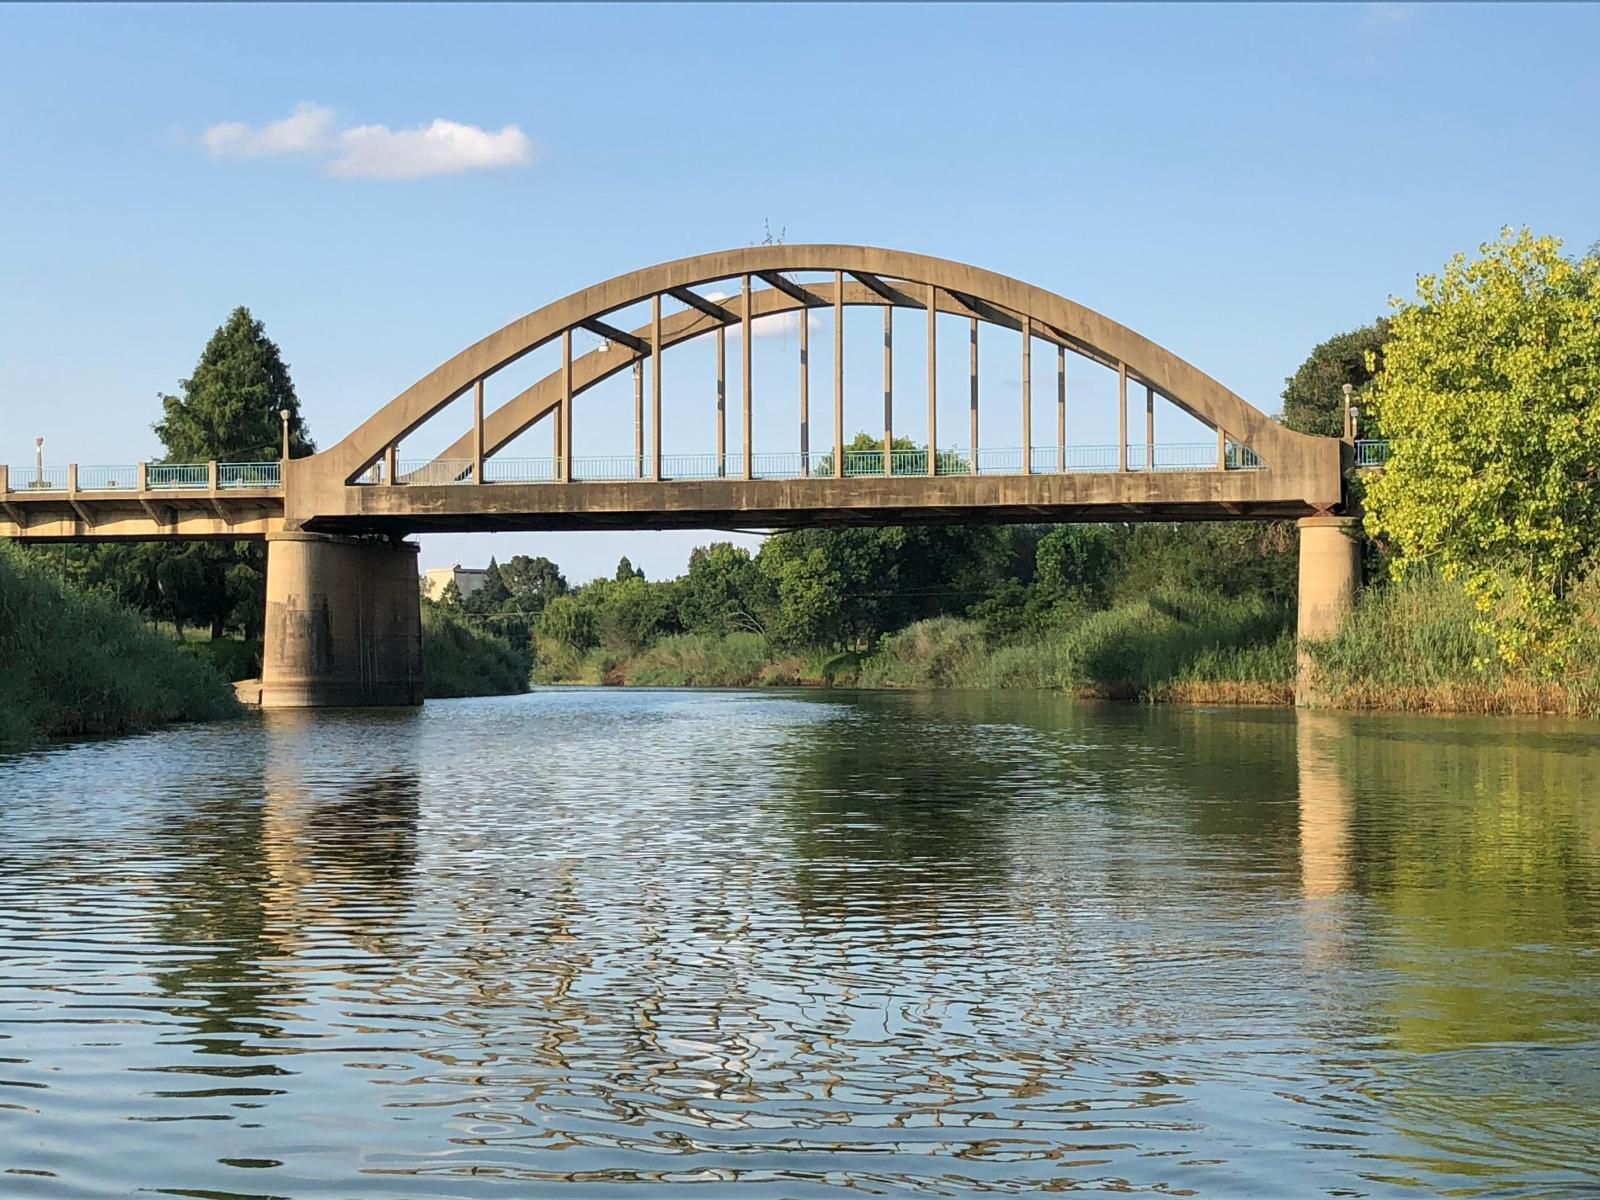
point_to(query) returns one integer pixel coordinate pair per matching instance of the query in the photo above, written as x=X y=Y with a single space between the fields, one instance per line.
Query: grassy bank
x=1174 y=647
x=1411 y=647
x=461 y=660
x=73 y=663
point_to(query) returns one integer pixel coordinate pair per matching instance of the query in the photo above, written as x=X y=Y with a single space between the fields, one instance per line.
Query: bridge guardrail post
x=5 y=479
x=211 y=476
x=143 y=481
x=72 y=479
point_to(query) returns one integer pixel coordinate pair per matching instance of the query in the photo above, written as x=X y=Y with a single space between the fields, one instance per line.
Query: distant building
x=467 y=580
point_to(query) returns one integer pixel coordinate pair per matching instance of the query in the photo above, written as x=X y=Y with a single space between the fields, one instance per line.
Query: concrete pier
x=1330 y=573
x=344 y=623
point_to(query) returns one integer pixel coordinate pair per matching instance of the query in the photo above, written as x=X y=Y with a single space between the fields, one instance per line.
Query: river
x=803 y=945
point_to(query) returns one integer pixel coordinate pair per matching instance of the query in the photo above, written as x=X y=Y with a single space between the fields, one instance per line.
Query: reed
x=74 y=664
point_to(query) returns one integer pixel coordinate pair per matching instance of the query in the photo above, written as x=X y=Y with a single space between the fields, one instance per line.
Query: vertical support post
x=638 y=419
x=477 y=432
x=555 y=439
x=5 y=478
x=805 y=391
x=888 y=389
x=1122 y=416
x=1061 y=408
x=933 y=380
x=142 y=483
x=1149 y=428
x=566 y=406
x=1027 y=395
x=72 y=478
x=722 y=401
x=973 y=366
x=211 y=477
x=1222 y=449
x=655 y=386
x=391 y=462
x=744 y=318
x=838 y=374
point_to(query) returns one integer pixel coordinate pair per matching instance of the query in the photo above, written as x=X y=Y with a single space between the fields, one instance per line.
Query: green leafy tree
x=532 y=582
x=450 y=596
x=1077 y=561
x=724 y=592
x=1490 y=396
x=626 y=570
x=1313 y=397
x=568 y=622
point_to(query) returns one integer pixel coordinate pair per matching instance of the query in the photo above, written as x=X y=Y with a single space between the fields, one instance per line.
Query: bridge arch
x=876 y=276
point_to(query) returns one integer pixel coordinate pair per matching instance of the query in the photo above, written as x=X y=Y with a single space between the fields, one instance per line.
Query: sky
x=383 y=186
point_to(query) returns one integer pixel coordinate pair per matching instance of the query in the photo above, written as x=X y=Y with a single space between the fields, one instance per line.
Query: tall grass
x=74 y=664
x=459 y=659
x=1158 y=647
x=1412 y=645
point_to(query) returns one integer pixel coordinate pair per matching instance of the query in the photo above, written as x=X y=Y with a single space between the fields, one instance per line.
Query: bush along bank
x=74 y=663
x=459 y=659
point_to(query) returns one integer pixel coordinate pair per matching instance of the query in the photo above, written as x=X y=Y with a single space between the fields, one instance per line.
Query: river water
x=637 y=943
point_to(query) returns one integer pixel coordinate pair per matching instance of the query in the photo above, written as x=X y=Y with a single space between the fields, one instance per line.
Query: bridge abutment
x=344 y=623
x=1330 y=573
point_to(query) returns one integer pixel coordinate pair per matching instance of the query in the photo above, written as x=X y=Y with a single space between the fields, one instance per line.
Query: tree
x=626 y=570
x=450 y=595
x=532 y=583
x=228 y=410
x=1313 y=397
x=489 y=595
x=1490 y=396
x=723 y=592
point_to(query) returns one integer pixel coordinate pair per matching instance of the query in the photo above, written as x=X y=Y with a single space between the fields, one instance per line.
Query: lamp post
x=38 y=462
x=1349 y=415
x=283 y=415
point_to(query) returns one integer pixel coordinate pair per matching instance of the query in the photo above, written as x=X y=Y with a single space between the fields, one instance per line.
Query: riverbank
x=73 y=664
x=459 y=659
x=1408 y=647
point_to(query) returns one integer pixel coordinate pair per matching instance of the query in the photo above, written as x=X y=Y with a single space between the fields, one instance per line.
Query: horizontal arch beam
x=1170 y=375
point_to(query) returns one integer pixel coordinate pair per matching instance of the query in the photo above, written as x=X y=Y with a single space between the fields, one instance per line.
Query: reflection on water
x=803 y=945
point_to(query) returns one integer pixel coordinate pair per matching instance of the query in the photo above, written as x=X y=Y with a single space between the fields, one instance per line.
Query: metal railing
x=177 y=477
x=249 y=475
x=1372 y=452
x=158 y=477
x=106 y=479
x=623 y=468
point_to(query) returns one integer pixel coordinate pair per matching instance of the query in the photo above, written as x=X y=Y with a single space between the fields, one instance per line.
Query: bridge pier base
x=1330 y=573
x=344 y=623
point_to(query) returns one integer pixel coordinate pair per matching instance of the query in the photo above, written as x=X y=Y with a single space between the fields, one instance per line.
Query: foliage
x=1417 y=643
x=228 y=410
x=724 y=592
x=1313 y=397
x=461 y=659
x=1490 y=395
x=77 y=664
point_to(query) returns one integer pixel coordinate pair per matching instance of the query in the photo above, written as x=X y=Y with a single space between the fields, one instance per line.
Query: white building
x=467 y=580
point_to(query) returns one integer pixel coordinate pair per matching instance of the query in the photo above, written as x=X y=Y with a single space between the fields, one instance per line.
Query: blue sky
x=1236 y=183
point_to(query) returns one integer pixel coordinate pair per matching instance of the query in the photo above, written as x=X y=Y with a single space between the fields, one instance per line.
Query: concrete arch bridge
x=343 y=622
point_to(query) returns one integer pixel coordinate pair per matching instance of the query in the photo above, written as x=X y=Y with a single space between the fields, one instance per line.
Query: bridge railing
x=1372 y=452
x=249 y=475
x=621 y=468
x=156 y=477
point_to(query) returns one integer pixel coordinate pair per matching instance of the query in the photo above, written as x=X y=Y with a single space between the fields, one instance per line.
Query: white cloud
x=771 y=325
x=304 y=131
x=373 y=151
x=440 y=148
